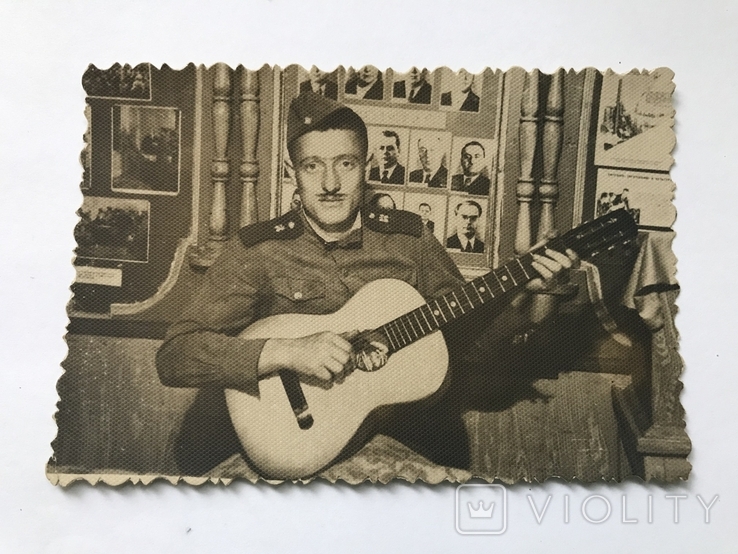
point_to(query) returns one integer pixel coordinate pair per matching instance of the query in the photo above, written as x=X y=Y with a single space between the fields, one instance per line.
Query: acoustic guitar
x=293 y=429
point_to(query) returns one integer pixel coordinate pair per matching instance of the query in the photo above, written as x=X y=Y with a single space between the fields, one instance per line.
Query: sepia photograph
x=365 y=83
x=460 y=91
x=466 y=223
x=146 y=150
x=320 y=82
x=115 y=229
x=472 y=162
x=635 y=121
x=388 y=155
x=413 y=87
x=432 y=211
x=354 y=292
x=278 y=349
x=429 y=158
x=118 y=82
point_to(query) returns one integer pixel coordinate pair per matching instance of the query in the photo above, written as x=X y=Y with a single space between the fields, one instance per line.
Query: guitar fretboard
x=589 y=239
x=433 y=315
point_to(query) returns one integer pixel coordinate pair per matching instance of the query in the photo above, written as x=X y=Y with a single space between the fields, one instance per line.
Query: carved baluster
x=529 y=111
x=548 y=190
x=553 y=138
x=205 y=255
x=249 y=139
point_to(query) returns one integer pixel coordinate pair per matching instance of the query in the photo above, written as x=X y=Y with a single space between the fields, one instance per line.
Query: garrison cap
x=308 y=111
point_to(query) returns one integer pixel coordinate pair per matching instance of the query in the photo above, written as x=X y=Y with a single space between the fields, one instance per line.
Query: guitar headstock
x=601 y=234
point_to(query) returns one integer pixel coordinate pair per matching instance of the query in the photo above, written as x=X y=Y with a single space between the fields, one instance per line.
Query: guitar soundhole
x=371 y=351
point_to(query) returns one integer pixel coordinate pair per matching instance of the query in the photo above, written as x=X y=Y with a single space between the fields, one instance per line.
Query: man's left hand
x=553 y=268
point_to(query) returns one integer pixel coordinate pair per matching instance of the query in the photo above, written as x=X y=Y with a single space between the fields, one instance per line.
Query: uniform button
x=297 y=295
x=345 y=272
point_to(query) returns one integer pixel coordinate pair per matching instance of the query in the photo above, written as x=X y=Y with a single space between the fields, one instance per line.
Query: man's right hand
x=322 y=357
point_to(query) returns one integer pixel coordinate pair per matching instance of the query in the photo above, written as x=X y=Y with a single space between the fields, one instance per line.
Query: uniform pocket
x=298 y=290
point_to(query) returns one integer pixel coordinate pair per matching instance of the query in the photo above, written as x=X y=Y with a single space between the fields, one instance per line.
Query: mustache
x=331 y=196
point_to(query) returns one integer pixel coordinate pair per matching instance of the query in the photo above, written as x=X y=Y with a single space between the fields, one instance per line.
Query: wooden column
x=548 y=190
x=553 y=139
x=250 y=120
x=205 y=255
x=528 y=132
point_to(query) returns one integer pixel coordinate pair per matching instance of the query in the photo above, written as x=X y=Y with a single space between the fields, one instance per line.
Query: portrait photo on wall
x=467 y=225
x=635 y=121
x=388 y=149
x=432 y=211
x=365 y=83
x=318 y=81
x=382 y=199
x=146 y=150
x=115 y=229
x=460 y=91
x=472 y=162
x=428 y=158
x=646 y=196
x=413 y=87
x=119 y=81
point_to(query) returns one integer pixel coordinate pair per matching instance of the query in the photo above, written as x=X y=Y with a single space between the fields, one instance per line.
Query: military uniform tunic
x=283 y=266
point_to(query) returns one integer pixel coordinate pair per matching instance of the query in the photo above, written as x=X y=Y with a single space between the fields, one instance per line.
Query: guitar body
x=266 y=425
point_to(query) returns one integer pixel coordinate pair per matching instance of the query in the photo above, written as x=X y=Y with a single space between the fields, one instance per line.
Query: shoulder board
x=287 y=226
x=393 y=222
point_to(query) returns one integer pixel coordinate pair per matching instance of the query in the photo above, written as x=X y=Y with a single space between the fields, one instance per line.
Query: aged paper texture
x=367 y=274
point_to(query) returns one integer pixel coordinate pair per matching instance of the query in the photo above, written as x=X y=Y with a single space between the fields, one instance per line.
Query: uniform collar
x=353 y=239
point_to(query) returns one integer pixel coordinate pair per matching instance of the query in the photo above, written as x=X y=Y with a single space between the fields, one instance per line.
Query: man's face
x=428 y=151
x=424 y=212
x=329 y=168
x=466 y=80
x=368 y=74
x=467 y=219
x=387 y=150
x=416 y=76
x=472 y=159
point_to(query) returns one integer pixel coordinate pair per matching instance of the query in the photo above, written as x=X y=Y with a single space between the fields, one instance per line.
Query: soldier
x=308 y=261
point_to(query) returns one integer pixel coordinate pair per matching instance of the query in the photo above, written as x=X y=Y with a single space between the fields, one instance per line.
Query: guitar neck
x=589 y=239
x=459 y=302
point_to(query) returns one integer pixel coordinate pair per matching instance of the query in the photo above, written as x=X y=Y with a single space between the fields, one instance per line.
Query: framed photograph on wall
x=388 y=148
x=460 y=91
x=635 y=121
x=114 y=229
x=647 y=196
x=121 y=82
x=145 y=150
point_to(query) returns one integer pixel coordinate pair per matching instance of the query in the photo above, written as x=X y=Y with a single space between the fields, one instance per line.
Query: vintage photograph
x=115 y=229
x=413 y=87
x=351 y=291
x=635 y=121
x=119 y=81
x=646 y=196
x=472 y=161
x=432 y=211
x=429 y=158
x=146 y=150
x=320 y=82
x=388 y=155
x=365 y=83
x=460 y=92
x=466 y=223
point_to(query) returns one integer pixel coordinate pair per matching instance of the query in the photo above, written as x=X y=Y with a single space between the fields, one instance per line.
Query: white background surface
x=44 y=49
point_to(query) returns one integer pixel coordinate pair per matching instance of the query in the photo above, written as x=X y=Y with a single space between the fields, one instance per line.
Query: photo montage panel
x=203 y=255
